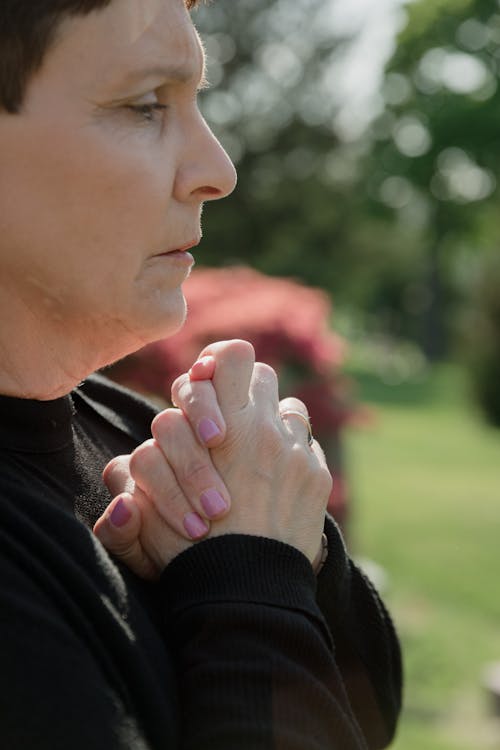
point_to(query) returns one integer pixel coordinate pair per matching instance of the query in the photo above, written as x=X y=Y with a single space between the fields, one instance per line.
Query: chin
x=142 y=327
x=170 y=320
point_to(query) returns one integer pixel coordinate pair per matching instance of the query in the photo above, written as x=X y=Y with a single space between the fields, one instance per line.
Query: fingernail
x=213 y=503
x=120 y=514
x=207 y=429
x=201 y=368
x=195 y=525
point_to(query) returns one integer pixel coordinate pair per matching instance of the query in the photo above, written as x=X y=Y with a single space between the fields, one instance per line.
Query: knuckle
x=310 y=472
x=145 y=458
x=265 y=372
x=193 y=397
x=243 y=348
x=193 y=400
x=165 y=422
x=170 y=504
x=293 y=404
x=324 y=481
x=240 y=347
x=119 y=464
x=117 y=461
x=232 y=351
x=197 y=473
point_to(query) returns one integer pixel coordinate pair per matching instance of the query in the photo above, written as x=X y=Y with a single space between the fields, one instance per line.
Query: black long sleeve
x=367 y=650
x=238 y=645
x=241 y=647
x=254 y=654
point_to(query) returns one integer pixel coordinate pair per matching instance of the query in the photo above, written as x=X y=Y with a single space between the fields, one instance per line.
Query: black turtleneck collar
x=33 y=426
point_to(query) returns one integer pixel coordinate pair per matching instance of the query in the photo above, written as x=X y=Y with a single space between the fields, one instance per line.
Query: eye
x=149 y=111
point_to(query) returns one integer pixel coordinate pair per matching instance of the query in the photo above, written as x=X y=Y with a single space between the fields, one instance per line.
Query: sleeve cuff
x=242 y=568
x=333 y=591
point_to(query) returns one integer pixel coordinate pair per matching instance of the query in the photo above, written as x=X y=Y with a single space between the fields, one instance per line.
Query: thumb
x=118 y=530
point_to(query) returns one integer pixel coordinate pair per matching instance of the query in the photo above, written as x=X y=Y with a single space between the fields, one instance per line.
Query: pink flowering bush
x=289 y=326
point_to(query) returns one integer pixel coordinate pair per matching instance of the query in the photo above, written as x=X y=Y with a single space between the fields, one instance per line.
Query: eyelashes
x=149 y=112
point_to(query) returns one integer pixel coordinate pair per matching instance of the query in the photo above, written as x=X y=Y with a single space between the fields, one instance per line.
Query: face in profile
x=103 y=174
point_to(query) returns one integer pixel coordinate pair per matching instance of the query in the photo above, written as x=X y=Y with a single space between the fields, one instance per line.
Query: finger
x=116 y=476
x=234 y=361
x=319 y=454
x=203 y=369
x=295 y=418
x=118 y=530
x=155 y=477
x=325 y=479
x=191 y=464
x=198 y=402
x=263 y=389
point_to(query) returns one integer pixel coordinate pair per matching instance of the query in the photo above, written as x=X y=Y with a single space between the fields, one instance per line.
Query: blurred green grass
x=425 y=481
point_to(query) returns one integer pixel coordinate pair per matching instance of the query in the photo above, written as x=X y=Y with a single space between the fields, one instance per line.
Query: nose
x=206 y=172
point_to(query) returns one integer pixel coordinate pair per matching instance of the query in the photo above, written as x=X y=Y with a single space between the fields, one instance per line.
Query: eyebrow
x=172 y=74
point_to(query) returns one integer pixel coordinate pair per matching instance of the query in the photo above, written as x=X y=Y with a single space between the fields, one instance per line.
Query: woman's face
x=104 y=173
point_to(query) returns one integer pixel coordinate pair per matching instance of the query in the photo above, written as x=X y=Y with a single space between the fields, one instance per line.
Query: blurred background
x=367 y=140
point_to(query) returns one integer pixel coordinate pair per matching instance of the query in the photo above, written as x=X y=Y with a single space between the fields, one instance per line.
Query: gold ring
x=305 y=419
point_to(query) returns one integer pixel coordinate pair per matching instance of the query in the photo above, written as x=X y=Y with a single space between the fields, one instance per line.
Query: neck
x=30 y=368
x=43 y=358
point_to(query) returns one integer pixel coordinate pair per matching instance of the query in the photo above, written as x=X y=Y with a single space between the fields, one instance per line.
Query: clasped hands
x=225 y=461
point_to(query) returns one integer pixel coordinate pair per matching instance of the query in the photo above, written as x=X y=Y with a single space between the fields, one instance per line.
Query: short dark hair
x=27 y=30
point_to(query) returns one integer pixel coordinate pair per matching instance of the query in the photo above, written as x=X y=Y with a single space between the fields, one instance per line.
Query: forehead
x=150 y=21
x=115 y=46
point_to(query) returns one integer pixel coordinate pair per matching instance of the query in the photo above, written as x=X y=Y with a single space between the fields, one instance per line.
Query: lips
x=189 y=245
x=182 y=248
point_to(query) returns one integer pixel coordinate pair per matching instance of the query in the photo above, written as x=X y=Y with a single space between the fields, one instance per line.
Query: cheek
x=128 y=194
x=78 y=218
x=96 y=193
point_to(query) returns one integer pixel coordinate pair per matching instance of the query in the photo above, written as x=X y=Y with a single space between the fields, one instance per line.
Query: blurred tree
x=391 y=223
x=437 y=149
x=272 y=107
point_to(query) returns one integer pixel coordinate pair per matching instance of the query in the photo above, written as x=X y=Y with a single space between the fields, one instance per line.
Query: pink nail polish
x=120 y=514
x=213 y=503
x=203 y=369
x=195 y=525
x=207 y=429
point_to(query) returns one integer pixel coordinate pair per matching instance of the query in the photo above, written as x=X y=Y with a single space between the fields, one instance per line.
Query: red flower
x=287 y=323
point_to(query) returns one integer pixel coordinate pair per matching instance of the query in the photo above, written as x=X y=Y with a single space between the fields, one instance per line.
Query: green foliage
x=390 y=223
x=272 y=109
x=436 y=153
x=425 y=19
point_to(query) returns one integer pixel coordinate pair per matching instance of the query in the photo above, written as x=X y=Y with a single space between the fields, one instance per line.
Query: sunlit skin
x=104 y=171
x=103 y=177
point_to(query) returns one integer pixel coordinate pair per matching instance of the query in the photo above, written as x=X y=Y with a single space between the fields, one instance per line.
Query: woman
x=105 y=163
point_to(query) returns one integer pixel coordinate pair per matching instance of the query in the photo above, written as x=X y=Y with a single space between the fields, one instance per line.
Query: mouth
x=181 y=249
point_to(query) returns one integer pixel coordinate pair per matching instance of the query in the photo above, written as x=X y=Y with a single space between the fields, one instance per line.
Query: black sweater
x=238 y=646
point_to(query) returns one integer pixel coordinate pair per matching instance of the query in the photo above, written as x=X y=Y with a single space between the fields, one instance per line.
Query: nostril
x=211 y=192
